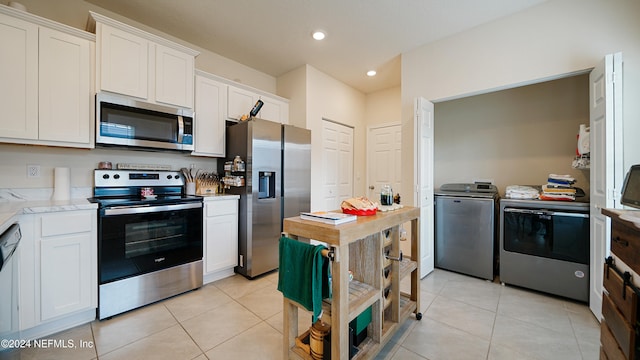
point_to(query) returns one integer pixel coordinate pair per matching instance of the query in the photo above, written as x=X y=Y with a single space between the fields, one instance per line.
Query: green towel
x=303 y=274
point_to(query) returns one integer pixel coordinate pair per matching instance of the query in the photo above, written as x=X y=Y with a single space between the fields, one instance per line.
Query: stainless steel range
x=149 y=247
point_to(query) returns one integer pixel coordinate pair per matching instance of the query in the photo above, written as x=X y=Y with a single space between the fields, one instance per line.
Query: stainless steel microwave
x=125 y=121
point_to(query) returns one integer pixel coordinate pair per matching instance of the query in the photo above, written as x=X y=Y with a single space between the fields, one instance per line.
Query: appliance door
x=296 y=171
x=132 y=123
x=139 y=240
x=264 y=197
x=465 y=235
x=9 y=329
x=560 y=235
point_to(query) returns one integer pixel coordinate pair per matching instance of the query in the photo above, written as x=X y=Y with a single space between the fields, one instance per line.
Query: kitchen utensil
x=186 y=174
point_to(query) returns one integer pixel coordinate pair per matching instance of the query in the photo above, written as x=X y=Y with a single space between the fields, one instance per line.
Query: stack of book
x=559 y=187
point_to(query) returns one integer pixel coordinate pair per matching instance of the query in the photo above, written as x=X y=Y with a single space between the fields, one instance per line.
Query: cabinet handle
x=621 y=241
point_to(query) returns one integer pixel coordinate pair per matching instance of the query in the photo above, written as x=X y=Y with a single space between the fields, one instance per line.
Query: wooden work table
x=370 y=248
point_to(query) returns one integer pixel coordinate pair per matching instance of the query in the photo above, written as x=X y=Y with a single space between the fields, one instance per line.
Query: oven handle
x=130 y=210
x=549 y=213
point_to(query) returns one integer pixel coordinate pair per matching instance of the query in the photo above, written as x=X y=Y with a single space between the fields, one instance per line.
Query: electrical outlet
x=33 y=171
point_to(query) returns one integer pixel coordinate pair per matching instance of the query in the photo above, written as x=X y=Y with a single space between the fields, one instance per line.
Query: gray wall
x=515 y=136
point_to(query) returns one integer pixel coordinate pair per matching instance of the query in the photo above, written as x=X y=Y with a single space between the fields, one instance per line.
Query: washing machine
x=465 y=228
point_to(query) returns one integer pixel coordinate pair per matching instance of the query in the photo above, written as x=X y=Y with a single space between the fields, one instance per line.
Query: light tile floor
x=235 y=318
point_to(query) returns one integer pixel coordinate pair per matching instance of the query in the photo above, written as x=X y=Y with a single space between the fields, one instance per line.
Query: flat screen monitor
x=631 y=188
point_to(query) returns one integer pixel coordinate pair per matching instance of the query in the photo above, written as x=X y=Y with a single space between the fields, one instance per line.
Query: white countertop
x=218 y=197
x=10 y=210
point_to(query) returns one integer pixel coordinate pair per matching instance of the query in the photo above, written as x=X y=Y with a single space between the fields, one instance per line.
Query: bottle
x=583 y=140
x=386 y=195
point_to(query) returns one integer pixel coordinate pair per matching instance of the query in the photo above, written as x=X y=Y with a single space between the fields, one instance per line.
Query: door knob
x=371 y=187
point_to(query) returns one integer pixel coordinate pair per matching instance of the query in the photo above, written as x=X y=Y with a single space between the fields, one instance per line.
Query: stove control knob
x=169 y=177
x=177 y=176
x=105 y=176
x=116 y=176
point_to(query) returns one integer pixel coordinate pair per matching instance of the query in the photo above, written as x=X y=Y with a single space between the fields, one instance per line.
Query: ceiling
x=274 y=36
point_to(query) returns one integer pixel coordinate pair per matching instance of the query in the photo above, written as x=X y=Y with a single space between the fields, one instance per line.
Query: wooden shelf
x=406 y=267
x=361 y=296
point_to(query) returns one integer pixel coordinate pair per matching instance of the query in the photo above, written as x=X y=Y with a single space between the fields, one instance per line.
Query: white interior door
x=423 y=170
x=606 y=175
x=384 y=159
x=337 y=164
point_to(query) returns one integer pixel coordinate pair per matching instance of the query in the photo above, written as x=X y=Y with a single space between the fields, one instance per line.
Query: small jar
x=386 y=195
x=238 y=164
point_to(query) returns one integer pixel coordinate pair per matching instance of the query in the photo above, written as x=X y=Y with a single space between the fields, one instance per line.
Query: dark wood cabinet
x=619 y=326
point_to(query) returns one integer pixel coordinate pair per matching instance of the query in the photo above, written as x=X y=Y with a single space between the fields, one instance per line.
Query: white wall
x=15 y=158
x=554 y=38
x=293 y=86
x=383 y=107
x=331 y=99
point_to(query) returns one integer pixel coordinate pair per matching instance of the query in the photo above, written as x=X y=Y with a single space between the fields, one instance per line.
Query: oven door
x=137 y=240
x=559 y=235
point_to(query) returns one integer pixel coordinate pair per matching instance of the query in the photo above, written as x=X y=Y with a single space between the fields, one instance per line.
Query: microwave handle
x=180 y=129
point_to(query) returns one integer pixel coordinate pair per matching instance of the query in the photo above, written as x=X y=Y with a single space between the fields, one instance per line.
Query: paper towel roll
x=61 y=183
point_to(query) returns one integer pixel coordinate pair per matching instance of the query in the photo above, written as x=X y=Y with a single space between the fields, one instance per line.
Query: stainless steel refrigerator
x=277 y=185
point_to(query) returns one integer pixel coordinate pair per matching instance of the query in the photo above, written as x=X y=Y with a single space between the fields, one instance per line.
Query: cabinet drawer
x=614 y=284
x=625 y=244
x=609 y=344
x=222 y=207
x=67 y=223
x=618 y=325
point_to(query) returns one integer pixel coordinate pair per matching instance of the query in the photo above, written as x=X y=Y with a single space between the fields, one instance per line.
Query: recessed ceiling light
x=371 y=73
x=319 y=35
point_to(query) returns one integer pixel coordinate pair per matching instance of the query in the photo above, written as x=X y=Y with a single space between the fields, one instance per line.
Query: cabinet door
x=174 y=77
x=209 y=124
x=222 y=243
x=65 y=275
x=19 y=79
x=124 y=62
x=65 y=88
x=240 y=102
x=274 y=110
x=221 y=235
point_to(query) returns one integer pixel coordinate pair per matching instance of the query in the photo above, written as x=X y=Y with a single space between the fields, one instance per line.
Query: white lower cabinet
x=220 y=236
x=58 y=270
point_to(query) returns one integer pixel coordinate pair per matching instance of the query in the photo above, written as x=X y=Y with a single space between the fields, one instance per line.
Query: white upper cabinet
x=19 y=78
x=64 y=94
x=174 y=77
x=210 y=116
x=242 y=100
x=139 y=64
x=274 y=110
x=46 y=78
x=124 y=61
